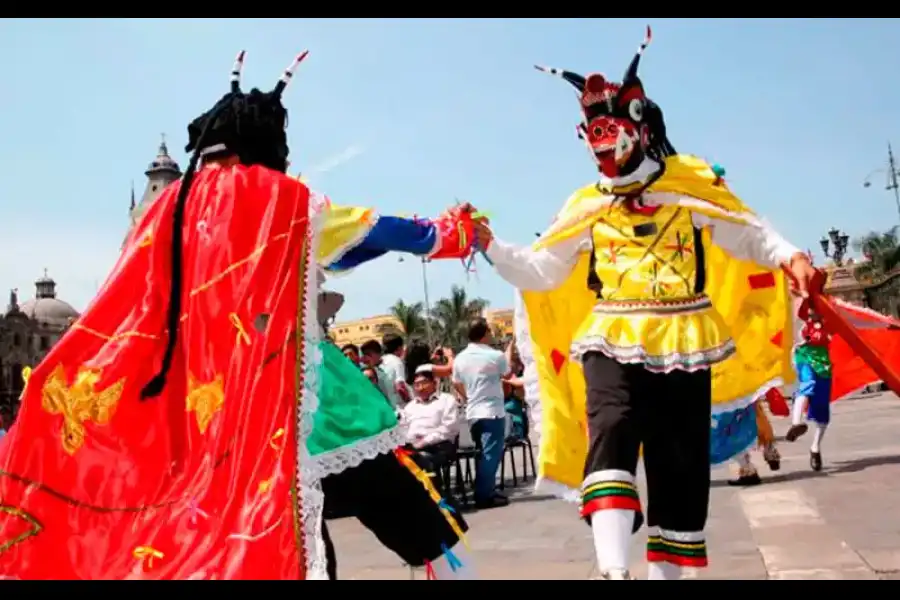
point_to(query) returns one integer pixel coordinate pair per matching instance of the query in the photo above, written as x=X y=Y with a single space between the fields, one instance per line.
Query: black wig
x=249 y=126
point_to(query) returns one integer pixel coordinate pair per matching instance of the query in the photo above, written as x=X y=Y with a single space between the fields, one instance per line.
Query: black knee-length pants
x=391 y=503
x=669 y=413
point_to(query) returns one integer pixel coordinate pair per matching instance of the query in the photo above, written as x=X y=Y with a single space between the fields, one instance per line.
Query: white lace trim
x=310 y=493
x=346 y=457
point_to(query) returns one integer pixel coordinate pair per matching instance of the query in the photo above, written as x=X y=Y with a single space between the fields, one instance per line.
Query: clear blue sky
x=409 y=114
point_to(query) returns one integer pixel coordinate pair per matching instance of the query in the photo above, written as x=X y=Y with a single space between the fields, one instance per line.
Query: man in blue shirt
x=478 y=373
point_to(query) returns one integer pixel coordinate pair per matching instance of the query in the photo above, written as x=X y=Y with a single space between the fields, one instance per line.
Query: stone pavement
x=843 y=523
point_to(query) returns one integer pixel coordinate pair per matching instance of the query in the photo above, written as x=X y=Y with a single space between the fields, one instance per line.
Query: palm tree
x=882 y=251
x=452 y=316
x=410 y=317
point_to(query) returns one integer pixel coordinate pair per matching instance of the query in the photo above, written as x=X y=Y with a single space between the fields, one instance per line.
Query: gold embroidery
x=146 y=240
x=266 y=485
x=275 y=437
x=115 y=337
x=26 y=374
x=79 y=404
x=253 y=255
x=18 y=513
x=205 y=400
x=147 y=554
x=242 y=335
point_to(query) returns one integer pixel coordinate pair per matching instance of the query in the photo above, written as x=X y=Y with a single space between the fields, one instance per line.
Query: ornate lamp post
x=834 y=246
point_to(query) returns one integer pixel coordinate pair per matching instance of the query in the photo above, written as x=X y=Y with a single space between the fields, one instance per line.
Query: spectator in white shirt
x=432 y=420
x=478 y=373
x=372 y=355
x=392 y=364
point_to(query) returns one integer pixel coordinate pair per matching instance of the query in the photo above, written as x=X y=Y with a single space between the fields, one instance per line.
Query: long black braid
x=249 y=126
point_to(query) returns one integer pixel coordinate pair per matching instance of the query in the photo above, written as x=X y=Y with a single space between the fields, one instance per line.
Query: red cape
x=198 y=482
x=850 y=371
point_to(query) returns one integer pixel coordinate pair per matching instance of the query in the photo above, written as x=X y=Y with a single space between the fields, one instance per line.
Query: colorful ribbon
x=452 y=559
x=405 y=458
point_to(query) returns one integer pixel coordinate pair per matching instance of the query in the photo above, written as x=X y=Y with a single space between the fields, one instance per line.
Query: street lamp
x=837 y=243
x=891 y=172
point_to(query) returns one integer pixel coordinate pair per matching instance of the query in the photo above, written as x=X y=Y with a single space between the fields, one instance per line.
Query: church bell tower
x=161 y=172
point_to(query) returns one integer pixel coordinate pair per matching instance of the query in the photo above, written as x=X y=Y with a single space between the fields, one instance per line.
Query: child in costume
x=655 y=300
x=813 y=393
x=211 y=468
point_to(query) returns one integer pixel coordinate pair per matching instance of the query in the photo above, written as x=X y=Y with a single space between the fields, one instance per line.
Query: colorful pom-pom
x=718 y=170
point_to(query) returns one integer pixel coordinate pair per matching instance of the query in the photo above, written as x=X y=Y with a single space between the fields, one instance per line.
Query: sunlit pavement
x=843 y=523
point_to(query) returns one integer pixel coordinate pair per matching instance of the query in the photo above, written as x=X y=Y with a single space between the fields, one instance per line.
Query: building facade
x=881 y=294
x=362 y=330
x=27 y=332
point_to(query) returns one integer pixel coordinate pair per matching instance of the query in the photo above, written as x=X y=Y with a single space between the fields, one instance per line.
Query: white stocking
x=612 y=538
x=817 y=437
x=798 y=410
x=663 y=571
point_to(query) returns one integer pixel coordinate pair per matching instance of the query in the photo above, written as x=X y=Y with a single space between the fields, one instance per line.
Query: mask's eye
x=636 y=110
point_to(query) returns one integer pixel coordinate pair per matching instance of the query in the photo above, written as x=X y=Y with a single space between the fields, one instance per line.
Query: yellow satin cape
x=759 y=319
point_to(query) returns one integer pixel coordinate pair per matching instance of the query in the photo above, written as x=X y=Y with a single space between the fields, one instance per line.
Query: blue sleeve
x=390 y=234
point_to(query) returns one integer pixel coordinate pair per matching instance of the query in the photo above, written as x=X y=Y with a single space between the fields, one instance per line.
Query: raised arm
x=369 y=236
x=529 y=269
x=757 y=242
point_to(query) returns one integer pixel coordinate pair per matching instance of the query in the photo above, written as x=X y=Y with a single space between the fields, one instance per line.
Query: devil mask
x=620 y=126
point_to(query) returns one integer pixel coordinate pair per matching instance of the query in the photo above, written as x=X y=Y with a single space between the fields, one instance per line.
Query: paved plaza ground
x=843 y=523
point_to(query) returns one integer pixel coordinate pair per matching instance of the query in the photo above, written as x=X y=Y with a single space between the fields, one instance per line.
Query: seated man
x=432 y=418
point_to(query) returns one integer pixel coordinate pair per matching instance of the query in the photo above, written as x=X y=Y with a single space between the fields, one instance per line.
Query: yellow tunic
x=749 y=305
x=652 y=307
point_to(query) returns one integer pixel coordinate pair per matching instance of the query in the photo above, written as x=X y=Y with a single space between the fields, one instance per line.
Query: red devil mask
x=621 y=126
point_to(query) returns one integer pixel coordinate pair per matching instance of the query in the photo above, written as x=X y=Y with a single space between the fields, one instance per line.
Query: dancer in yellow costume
x=654 y=301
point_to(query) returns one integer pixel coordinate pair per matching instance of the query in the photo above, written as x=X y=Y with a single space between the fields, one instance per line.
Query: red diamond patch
x=761 y=281
x=559 y=359
x=778 y=338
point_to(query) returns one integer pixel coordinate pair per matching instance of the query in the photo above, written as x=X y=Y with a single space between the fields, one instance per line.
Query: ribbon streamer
x=452 y=559
x=405 y=458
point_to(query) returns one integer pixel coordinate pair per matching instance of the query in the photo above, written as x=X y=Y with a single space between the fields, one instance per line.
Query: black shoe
x=496 y=501
x=795 y=432
x=746 y=480
x=815 y=461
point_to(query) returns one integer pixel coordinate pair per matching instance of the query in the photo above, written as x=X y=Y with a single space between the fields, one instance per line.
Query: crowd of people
x=437 y=391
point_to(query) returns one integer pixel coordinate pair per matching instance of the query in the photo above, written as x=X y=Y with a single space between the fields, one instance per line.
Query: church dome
x=45 y=307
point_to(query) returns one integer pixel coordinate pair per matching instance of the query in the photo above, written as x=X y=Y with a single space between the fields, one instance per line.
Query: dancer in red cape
x=159 y=439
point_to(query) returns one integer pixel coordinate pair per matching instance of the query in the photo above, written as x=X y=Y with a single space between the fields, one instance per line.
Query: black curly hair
x=249 y=126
